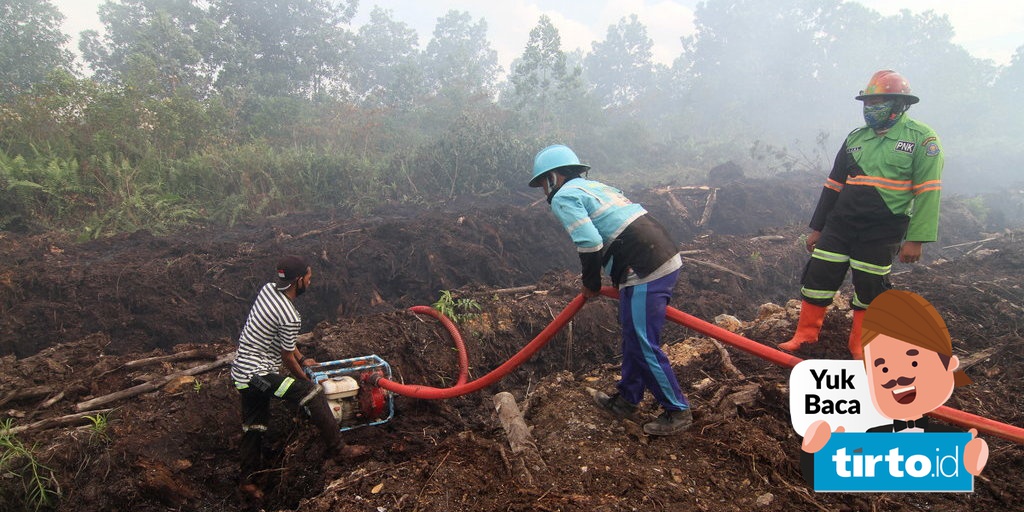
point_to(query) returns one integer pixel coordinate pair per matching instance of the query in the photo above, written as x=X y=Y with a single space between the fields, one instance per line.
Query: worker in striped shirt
x=881 y=199
x=267 y=343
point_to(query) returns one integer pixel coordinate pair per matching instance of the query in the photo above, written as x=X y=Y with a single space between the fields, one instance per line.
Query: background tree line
x=222 y=110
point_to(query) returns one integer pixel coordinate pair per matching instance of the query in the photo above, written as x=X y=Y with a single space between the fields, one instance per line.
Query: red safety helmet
x=888 y=83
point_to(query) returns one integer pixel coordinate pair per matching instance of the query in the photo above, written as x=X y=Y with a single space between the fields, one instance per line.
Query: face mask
x=880 y=116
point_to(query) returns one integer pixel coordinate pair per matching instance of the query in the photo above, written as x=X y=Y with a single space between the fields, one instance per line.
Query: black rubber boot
x=669 y=423
x=616 y=405
x=337 y=449
x=321 y=415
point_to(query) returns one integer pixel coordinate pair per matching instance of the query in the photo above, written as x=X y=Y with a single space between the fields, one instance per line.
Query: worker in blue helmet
x=643 y=262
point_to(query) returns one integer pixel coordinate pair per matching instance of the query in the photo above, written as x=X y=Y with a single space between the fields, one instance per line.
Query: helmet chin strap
x=897 y=112
x=553 y=186
x=904 y=107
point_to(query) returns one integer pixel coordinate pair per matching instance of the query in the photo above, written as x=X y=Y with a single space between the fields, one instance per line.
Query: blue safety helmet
x=551 y=158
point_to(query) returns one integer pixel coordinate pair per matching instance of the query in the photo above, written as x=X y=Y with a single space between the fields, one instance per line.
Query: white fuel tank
x=340 y=387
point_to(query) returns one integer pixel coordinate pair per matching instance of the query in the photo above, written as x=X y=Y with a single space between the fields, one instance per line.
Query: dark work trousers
x=255 y=399
x=841 y=249
x=644 y=365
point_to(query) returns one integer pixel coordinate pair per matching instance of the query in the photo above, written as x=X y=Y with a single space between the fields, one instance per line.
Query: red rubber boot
x=856 y=349
x=807 y=328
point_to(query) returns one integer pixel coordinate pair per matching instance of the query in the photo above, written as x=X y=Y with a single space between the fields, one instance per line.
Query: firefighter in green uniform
x=881 y=199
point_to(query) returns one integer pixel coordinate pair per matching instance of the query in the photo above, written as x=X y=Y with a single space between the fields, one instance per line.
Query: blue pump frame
x=353 y=367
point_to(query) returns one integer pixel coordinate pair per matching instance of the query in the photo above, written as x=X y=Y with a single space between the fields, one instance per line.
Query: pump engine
x=353 y=399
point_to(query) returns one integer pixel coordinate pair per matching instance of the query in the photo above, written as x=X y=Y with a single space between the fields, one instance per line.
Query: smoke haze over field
x=233 y=108
x=988 y=29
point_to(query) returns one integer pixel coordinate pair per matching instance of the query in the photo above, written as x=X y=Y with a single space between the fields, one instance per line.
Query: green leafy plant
x=98 y=429
x=18 y=462
x=39 y=189
x=197 y=386
x=456 y=310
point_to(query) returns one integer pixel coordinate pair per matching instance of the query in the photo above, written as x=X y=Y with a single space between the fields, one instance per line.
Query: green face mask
x=881 y=116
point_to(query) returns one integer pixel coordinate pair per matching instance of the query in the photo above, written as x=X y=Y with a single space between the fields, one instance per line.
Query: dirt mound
x=112 y=310
x=151 y=292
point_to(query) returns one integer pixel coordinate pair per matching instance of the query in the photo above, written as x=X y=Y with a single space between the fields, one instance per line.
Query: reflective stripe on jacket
x=610 y=230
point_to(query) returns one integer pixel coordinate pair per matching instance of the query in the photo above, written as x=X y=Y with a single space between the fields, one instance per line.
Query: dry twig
x=718 y=267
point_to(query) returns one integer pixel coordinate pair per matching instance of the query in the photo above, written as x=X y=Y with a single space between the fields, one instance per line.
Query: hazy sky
x=989 y=29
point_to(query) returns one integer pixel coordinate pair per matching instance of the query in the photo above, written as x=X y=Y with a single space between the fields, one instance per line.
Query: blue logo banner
x=887 y=462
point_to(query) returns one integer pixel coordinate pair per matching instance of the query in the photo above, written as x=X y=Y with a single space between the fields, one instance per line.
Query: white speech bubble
x=834 y=390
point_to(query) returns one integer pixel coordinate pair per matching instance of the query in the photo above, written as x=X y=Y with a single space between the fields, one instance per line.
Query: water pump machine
x=353 y=398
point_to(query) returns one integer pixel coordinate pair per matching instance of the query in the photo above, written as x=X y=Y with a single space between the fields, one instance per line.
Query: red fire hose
x=456 y=337
x=525 y=353
x=957 y=417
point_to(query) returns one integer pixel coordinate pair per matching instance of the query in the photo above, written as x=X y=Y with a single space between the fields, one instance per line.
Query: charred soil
x=78 y=318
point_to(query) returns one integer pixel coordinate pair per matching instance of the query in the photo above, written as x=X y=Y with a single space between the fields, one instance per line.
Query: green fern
x=47 y=189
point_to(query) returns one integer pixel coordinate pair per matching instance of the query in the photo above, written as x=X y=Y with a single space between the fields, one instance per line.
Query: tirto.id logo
x=880 y=462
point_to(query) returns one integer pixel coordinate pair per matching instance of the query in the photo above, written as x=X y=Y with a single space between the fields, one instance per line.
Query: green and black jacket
x=885 y=187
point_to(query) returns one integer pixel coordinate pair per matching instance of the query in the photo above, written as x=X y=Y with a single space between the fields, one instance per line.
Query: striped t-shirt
x=271 y=328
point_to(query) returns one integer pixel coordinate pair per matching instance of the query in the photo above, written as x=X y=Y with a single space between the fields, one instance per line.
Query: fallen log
x=501 y=291
x=152 y=385
x=52 y=400
x=519 y=437
x=59 y=421
x=717 y=267
x=516 y=430
x=679 y=207
x=709 y=207
x=688 y=188
x=975 y=358
x=180 y=356
x=26 y=393
x=229 y=294
x=768 y=238
x=727 y=361
x=727 y=401
x=989 y=239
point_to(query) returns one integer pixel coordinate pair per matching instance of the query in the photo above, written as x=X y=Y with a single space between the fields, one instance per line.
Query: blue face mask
x=881 y=116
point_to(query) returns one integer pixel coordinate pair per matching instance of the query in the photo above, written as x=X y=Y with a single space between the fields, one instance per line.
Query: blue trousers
x=644 y=365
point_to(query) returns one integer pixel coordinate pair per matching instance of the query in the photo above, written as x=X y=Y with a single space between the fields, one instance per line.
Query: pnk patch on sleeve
x=931 y=147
